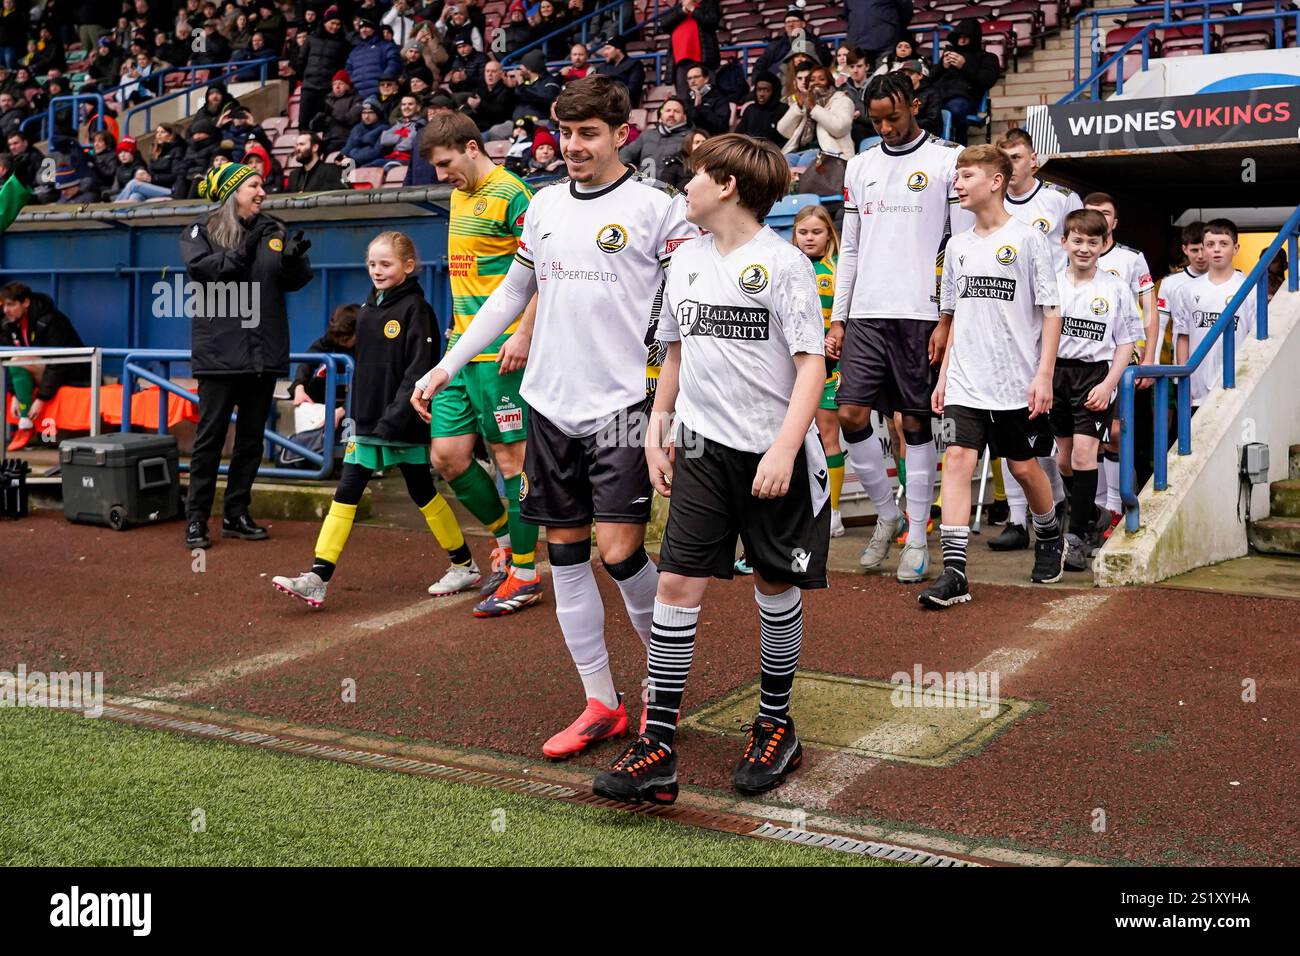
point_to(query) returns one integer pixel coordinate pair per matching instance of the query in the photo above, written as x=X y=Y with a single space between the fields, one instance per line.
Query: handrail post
x=1127 y=475
x=1160 y=431
x=1261 y=306
x=127 y=387
x=1293 y=250
x=1184 y=403
x=1229 y=340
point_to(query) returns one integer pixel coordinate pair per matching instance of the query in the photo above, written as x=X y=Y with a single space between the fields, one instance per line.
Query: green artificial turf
x=76 y=791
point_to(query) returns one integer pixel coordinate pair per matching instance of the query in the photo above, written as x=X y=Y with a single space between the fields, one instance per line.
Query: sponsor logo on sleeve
x=611 y=238
x=672 y=244
x=519 y=221
x=276 y=244
x=754 y=278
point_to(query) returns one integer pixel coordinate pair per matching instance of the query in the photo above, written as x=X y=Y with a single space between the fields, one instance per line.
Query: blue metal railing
x=1094 y=72
x=584 y=22
x=217 y=72
x=1256 y=282
x=339 y=370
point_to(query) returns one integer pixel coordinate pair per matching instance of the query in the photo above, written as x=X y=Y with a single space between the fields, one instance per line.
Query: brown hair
x=1100 y=199
x=401 y=244
x=343 y=323
x=1223 y=227
x=15 y=292
x=1015 y=136
x=819 y=212
x=1086 y=222
x=990 y=158
x=449 y=131
x=762 y=172
x=594 y=97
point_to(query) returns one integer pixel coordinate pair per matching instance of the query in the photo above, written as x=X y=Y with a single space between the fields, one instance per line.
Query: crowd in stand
x=371 y=73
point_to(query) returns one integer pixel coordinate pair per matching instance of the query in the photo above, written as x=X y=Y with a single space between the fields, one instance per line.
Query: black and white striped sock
x=1046 y=527
x=954 y=539
x=672 y=647
x=780 y=637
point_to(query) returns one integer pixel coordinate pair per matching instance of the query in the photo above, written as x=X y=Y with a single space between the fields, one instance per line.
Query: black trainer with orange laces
x=647 y=771
x=773 y=752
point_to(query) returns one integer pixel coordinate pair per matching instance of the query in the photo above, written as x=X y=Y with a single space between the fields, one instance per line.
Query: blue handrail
x=568 y=27
x=339 y=370
x=1095 y=73
x=1224 y=328
x=230 y=69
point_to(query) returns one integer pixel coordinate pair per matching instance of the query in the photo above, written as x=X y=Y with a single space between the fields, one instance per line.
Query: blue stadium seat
x=781 y=218
x=947 y=125
x=867 y=143
x=981 y=118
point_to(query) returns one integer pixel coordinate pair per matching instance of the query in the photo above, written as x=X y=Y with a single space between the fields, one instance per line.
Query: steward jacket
x=398 y=340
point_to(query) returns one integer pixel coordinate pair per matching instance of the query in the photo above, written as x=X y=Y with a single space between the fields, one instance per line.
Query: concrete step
x=1021 y=100
x=1284 y=499
x=1044 y=78
x=1293 y=462
x=1276 y=536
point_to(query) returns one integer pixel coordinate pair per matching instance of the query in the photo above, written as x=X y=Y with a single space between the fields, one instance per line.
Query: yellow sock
x=837 y=484
x=999 y=486
x=442 y=522
x=334 y=532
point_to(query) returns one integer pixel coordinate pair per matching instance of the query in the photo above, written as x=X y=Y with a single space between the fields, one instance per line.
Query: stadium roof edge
x=352 y=203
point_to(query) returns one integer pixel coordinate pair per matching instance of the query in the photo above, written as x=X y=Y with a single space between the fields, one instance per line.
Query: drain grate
x=724 y=822
x=884 y=851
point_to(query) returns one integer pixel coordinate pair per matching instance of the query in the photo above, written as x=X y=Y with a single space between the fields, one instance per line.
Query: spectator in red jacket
x=693 y=29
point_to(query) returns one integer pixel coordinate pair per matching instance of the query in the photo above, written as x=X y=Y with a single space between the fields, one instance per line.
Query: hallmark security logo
x=986 y=287
x=77 y=909
x=1089 y=329
x=180 y=299
x=723 y=321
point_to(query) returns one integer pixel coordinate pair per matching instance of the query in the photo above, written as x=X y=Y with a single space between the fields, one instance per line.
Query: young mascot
x=396 y=340
x=1000 y=299
x=744 y=373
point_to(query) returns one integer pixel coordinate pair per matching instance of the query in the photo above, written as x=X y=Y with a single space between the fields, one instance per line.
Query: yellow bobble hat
x=218 y=184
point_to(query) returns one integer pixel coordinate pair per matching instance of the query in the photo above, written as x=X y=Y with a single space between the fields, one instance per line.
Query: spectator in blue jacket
x=876 y=25
x=371 y=58
x=363 y=146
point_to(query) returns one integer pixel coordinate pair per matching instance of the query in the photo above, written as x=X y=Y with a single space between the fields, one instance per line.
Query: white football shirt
x=1169 y=287
x=995 y=287
x=1129 y=264
x=1045 y=207
x=1097 y=317
x=599 y=258
x=904 y=207
x=1198 y=306
x=740 y=318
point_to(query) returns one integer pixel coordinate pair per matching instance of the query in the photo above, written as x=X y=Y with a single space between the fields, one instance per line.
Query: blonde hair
x=819 y=212
x=400 y=243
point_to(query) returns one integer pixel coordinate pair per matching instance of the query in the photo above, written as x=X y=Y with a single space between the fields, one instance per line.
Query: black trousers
x=219 y=396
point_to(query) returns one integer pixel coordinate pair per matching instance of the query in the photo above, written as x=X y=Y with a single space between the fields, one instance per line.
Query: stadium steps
x=1044 y=76
x=1279 y=533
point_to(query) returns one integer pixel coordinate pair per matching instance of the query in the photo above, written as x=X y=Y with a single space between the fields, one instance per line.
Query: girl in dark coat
x=397 y=339
x=244 y=265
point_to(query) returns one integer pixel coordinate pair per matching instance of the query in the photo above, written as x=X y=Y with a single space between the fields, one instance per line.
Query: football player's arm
x=514 y=353
x=1099 y=395
x=1046 y=296
x=846 y=271
x=502 y=307
x=659 y=453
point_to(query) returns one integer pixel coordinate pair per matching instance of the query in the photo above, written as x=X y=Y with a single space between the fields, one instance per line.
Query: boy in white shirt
x=1200 y=302
x=743 y=373
x=1000 y=300
x=1099 y=324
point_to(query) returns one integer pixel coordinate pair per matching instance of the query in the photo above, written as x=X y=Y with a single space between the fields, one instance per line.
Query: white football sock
x=1113 y=502
x=868 y=463
x=1053 y=472
x=582 y=619
x=1016 y=500
x=922 y=462
x=639 y=598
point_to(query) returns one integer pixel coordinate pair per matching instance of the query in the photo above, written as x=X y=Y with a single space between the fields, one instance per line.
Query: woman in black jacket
x=244 y=266
x=397 y=342
x=323 y=54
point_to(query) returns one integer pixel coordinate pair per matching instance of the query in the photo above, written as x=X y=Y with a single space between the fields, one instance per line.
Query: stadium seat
x=497 y=149
x=1247 y=35
x=366 y=177
x=275 y=125
x=395 y=175
x=781 y=218
x=947 y=124
x=1189 y=41
x=1000 y=40
x=1132 y=62
x=285 y=140
x=867 y=143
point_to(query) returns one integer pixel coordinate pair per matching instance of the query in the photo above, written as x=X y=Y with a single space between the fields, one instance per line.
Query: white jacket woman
x=833 y=120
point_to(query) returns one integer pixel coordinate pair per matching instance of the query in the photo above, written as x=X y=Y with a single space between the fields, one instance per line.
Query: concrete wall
x=1197 y=520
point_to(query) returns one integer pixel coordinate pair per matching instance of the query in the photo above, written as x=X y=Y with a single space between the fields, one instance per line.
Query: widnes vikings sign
x=1210 y=118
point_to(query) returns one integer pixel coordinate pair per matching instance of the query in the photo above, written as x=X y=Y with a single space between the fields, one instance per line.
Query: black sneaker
x=998 y=512
x=1014 y=537
x=1049 y=561
x=243 y=528
x=196 y=534
x=646 y=771
x=948 y=589
x=773 y=752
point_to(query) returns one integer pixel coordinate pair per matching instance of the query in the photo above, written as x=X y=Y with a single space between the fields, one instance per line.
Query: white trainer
x=878 y=549
x=458 y=578
x=837 y=525
x=913 y=563
x=306 y=587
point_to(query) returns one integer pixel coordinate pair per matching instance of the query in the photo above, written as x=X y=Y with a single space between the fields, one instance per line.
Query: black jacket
x=323 y=177
x=707 y=16
x=168 y=165
x=629 y=72
x=759 y=120
x=323 y=56
x=495 y=105
x=47 y=327
x=397 y=342
x=535 y=98
x=876 y=25
x=713 y=115
x=312 y=377
x=341 y=114
x=773 y=58
x=974 y=77
x=231 y=344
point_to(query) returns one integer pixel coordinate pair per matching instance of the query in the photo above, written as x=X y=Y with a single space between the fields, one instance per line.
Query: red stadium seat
x=1132 y=62
x=1000 y=40
x=1189 y=41
x=395 y=175
x=497 y=149
x=275 y=125
x=1247 y=35
x=366 y=177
